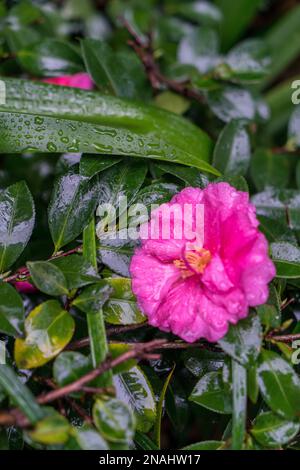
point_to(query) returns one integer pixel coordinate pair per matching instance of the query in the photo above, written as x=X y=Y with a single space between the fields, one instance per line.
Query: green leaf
x=88 y=438
x=117 y=183
x=243 y=340
x=92 y=298
x=200 y=11
x=117 y=73
x=270 y=312
x=200 y=48
x=287 y=260
x=239 y=404
x=248 y=61
x=191 y=176
x=48 y=329
x=232 y=151
x=279 y=384
x=17 y=220
x=279 y=205
x=91 y=165
x=48 y=278
x=283 y=40
x=205 y=445
x=77 y=271
x=121 y=307
x=199 y=362
x=172 y=102
x=108 y=125
x=134 y=389
x=230 y=103
x=20 y=395
x=144 y=442
x=50 y=57
x=269 y=169
x=114 y=420
x=116 y=252
x=160 y=408
x=53 y=429
x=11 y=311
x=252 y=384
x=270 y=430
x=236 y=20
x=70 y=366
x=211 y=393
x=73 y=202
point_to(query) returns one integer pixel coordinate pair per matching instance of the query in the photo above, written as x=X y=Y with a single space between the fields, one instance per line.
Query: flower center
x=193 y=262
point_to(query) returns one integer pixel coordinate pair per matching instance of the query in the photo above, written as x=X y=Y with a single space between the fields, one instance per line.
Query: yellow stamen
x=194 y=262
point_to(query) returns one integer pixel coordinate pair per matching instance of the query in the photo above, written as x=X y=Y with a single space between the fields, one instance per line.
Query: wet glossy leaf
x=200 y=48
x=90 y=165
x=210 y=393
x=72 y=194
x=108 y=126
x=116 y=252
x=117 y=189
x=287 y=260
x=48 y=278
x=199 y=362
x=248 y=60
x=232 y=103
x=270 y=430
x=232 y=151
x=279 y=384
x=279 y=205
x=92 y=298
x=133 y=388
x=121 y=307
x=70 y=366
x=49 y=328
x=191 y=176
x=77 y=271
x=11 y=311
x=114 y=420
x=243 y=340
x=17 y=220
x=88 y=438
x=53 y=429
x=117 y=73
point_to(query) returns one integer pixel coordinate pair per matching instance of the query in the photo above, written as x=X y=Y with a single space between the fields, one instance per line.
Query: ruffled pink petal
x=151 y=280
x=259 y=270
x=188 y=313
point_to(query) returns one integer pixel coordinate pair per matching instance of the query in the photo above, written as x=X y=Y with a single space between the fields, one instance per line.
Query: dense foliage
x=186 y=92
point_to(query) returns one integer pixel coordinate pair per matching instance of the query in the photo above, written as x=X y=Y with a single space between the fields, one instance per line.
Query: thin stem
x=23 y=273
x=139 y=352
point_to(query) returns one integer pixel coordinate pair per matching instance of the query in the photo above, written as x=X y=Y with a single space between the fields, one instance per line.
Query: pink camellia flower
x=25 y=287
x=78 y=80
x=195 y=290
